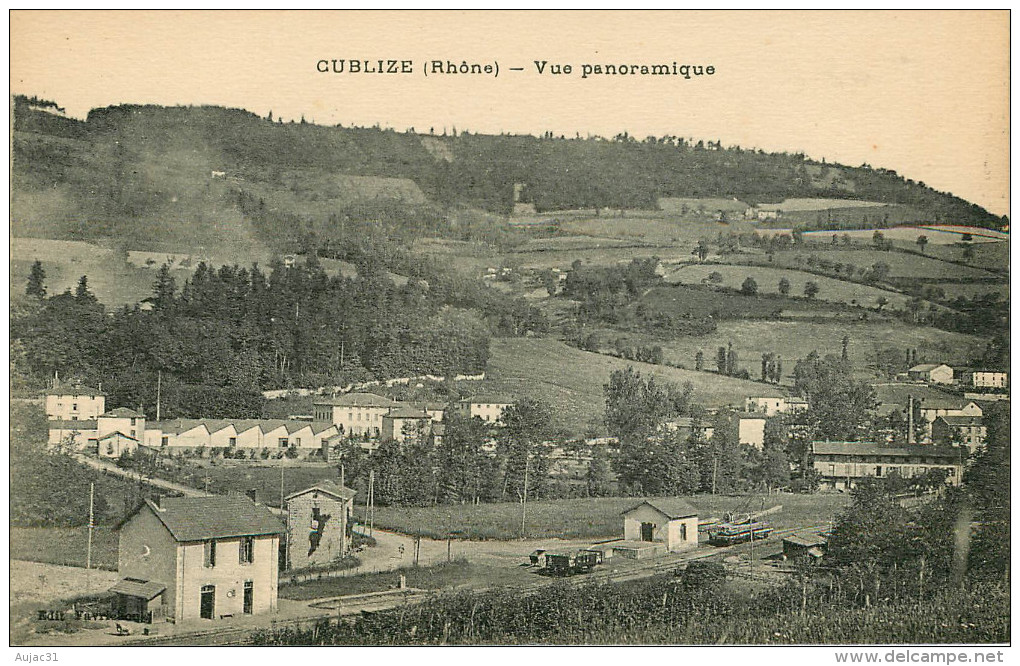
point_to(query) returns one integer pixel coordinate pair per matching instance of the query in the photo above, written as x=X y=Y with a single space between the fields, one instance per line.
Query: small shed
x=804 y=546
x=671 y=521
x=138 y=600
x=115 y=444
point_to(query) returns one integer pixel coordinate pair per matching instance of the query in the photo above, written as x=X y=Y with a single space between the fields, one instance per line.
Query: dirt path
x=111 y=468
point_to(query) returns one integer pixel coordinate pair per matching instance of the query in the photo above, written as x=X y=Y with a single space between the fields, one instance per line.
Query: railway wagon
x=570 y=562
x=726 y=534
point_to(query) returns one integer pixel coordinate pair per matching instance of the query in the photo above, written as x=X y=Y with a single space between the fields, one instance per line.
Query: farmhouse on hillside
x=770 y=406
x=932 y=373
x=750 y=429
x=319 y=523
x=188 y=558
x=670 y=521
x=74 y=403
x=488 y=408
x=985 y=379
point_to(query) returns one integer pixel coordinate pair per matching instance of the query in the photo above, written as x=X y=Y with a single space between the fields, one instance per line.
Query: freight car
x=570 y=562
x=727 y=534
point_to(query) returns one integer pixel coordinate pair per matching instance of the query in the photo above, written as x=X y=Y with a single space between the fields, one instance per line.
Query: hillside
x=209 y=175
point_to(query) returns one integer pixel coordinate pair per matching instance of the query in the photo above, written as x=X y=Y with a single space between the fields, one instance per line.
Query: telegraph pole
x=281 y=487
x=159 y=388
x=92 y=525
x=371 y=503
x=524 y=509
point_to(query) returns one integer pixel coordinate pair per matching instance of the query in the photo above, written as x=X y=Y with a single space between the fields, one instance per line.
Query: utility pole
x=752 y=549
x=281 y=487
x=371 y=503
x=910 y=419
x=159 y=389
x=524 y=509
x=92 y=525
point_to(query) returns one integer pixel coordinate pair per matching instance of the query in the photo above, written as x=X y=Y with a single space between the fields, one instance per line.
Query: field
x=830 y=289
x=795 y=340
x=436 y=577
x=900 y=264
x=571 y=381
x=65 y=545
x=589 y=518
x=659 y=230
x=937 y=235
x=265 y=479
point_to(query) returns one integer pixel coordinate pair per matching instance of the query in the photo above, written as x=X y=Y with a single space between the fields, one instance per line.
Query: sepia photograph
x=510 y=328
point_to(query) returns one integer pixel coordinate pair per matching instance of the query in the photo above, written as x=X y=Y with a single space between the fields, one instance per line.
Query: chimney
x=252 y=494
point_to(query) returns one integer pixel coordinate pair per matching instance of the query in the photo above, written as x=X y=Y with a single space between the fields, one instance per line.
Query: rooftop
x=122 y=413
x=135 y=587
x=671 y=507
x=872 y=449
x=76 y=389
x=806 y=539
x=960 y=420
x=407 y=412
x=926 y=367
x=214 y=517
x=330 y=488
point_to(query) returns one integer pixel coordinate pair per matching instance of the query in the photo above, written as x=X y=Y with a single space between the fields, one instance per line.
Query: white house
x=671 y=521
x=355 y=413
x=114 y=444
x=932 y=373
x=986 y=379
x=488 y=408
x=191 y=558
x=770 y=406
x=751 y=429
x=75 y=403
x=404 y=422
x=123 y=420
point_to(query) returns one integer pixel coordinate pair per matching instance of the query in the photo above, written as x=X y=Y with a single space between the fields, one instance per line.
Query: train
x=727 y=534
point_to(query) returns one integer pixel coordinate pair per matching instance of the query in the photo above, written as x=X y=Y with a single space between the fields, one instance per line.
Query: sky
x=925 y=93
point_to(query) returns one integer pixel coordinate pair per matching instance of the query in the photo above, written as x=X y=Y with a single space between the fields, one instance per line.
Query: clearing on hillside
x=571 y=381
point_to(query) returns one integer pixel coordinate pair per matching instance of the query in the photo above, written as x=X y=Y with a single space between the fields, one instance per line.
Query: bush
x=265 y=454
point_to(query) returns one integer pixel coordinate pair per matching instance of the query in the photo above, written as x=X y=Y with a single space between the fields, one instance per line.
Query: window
x=247 y=550
x=74 y=417
x=210 y=553
x=832 y=469
x=683 y=531
x=324 y=442
x=109 y=448
x=132 y=433
x=164 y=440
x=282 y=442
x=133 y=421
x=233 y=441
x=74 y=407
x=297 y=441
x=878 y=470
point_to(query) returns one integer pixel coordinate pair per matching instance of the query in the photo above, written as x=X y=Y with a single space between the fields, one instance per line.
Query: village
x=200 y=557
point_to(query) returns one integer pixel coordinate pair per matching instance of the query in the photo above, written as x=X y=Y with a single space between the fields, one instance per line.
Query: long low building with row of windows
x=841 y=465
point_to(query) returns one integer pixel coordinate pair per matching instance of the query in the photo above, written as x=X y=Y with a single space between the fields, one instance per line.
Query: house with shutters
x=488 y=408
x=841 y=465
x=189 y=558
x=967 y=431
x=355 y=413
x=74 y=403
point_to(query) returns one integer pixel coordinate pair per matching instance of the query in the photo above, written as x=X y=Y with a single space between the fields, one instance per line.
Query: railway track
x=339 y=607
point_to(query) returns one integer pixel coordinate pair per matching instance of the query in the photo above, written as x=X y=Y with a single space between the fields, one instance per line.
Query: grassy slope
x=768 y=282
x=65 y=545
x=794 y=340
x=572 y=381
x=900 y=264
x=589 y=518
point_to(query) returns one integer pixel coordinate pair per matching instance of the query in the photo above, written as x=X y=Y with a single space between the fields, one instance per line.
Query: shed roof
x=135 y=587
x=328 y=487
x=960 y=420
x=214 y=517
x=358 y=400
x=872 y=449
x=671 y=507
x=122 y=413
x=928 y=367
x=806 y=539
x=117 y=433
x=176 y=426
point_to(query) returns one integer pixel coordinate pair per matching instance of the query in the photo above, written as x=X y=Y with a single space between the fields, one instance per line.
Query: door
x=646 y=531
x=208 y=607
x=249 y=596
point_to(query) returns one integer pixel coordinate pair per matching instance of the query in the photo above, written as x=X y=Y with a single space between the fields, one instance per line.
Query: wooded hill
x=195 y=173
